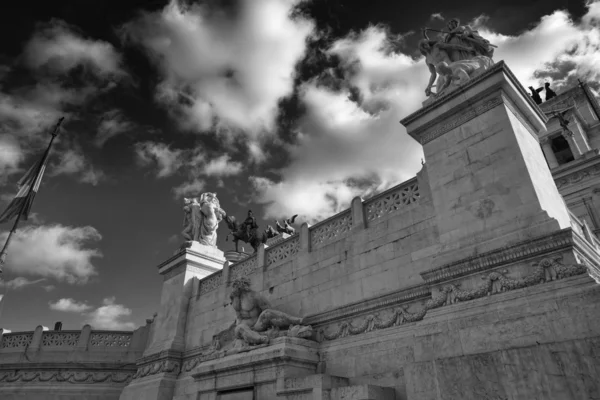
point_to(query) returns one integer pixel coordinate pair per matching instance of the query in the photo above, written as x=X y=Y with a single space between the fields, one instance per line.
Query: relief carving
x=73 y=377
x=546 y=270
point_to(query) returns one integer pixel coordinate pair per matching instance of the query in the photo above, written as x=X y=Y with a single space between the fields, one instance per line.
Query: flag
x=24 y=198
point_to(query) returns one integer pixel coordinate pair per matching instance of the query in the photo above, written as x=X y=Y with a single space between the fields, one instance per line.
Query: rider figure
x=250 y=223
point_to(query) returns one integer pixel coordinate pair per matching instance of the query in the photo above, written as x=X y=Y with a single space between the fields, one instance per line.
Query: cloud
x=195 y=164
x=557 y=49
x=110 y=316
x=191 y=187
x=61 y=252
x=224 y=69
x=222 y=166
x=56 y=46
x=112 y=123
x=73 y=162
x=69 y=305
x=11 y=155
x=166 y=159
x=19 y=283
x=349 y=142
x=436 y=16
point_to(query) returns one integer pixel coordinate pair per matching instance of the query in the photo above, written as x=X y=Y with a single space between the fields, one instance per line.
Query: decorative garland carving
x=162 y=366
x=546 y=270
x=244 y=268
x=400 y=197
x=578 y=176
x=283 y=250
x=211 y=282
x=73 y=377
x=330 y=230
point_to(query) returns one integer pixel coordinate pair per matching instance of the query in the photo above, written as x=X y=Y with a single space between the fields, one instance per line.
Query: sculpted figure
x=255 y=316
x=287 y=226
x=535 y=94
x=458 y=56
x=201 y=219
x=468 y=41
x=248 y=232
x=550 y=94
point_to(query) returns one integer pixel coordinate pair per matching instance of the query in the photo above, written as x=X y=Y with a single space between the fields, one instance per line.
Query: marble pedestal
x=489 y=180
x=162 y=357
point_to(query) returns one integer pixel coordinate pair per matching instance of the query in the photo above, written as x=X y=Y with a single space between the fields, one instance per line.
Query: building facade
x=473 y=280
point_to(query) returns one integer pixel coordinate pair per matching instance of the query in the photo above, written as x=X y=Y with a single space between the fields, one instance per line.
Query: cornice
x=70 y=376
x=388 y=300
x=505 y=255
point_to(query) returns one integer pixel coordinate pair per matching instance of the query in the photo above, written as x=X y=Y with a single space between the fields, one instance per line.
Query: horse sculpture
x=254 y=239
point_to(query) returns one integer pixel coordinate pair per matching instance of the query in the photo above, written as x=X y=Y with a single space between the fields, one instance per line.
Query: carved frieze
x=110 y=339
x=60 y=338
x=167 y=366
x=545 y=270
x=243 y=268
x=211 y=282
x=62 y=376
x=16 y=340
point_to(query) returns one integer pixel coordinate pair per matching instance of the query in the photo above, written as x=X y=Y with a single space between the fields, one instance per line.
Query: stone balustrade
x=329 y=231
x=117 y=345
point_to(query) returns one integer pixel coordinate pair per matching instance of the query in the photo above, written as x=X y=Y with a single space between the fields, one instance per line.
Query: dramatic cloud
x=69 y=305
x=437 y=16
x=222 y=166
x=60 y=252
x=11 y=155
x=557 y=49
x=112 y=123
x=19 y=283
x=73 y=162
x=195 y=164
x=110 y=316
x=166 y=159
x=350 y=145
x=56 y=46
x=224 y=69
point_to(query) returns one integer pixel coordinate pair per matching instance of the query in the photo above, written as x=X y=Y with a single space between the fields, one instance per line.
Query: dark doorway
x=561 y=149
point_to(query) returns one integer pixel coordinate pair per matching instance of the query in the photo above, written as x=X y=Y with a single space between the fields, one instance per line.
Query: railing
x=326 y=232
x=64 y=339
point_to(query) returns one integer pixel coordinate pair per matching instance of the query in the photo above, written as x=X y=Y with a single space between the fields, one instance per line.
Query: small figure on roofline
x=535 y=94
x=287 y=226
x=549 y=92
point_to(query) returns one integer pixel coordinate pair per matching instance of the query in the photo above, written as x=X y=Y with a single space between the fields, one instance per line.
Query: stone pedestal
x=167 y=341
x=490 y=184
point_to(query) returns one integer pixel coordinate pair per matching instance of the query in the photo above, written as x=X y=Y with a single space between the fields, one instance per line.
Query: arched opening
x=561 y=150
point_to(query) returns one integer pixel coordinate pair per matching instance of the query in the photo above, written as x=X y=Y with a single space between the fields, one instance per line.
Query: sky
x=279 y=106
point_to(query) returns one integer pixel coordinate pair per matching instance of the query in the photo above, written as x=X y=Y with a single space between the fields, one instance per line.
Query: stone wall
x=83 y=364
x=379 y=246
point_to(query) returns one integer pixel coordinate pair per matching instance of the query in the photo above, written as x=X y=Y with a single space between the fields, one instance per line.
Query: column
x=548 y=152
x=568 y=135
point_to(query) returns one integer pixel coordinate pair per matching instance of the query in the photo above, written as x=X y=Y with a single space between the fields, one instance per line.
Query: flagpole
x=37 y=173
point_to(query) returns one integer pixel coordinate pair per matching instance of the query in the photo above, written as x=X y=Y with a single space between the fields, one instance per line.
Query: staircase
x=327 y=387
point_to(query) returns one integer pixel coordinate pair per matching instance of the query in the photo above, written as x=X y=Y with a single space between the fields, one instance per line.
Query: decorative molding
x=331 y=229
x=385 y=301
x=501 y=256
x=283 y=250
x=62 y=376
x=211 y=282
x=467 y=114
x=577 y=176
x=243 y=268
x=546 y=270
x=62 y=338
x=16 y=340
x=110 y=339
x=391 y=201
x=166 y=366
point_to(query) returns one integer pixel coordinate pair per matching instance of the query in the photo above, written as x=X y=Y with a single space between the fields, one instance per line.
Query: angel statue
x=201 y=219
x=287 y=226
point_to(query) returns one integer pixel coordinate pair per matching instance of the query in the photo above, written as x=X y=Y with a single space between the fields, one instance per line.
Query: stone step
x=362 y=392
